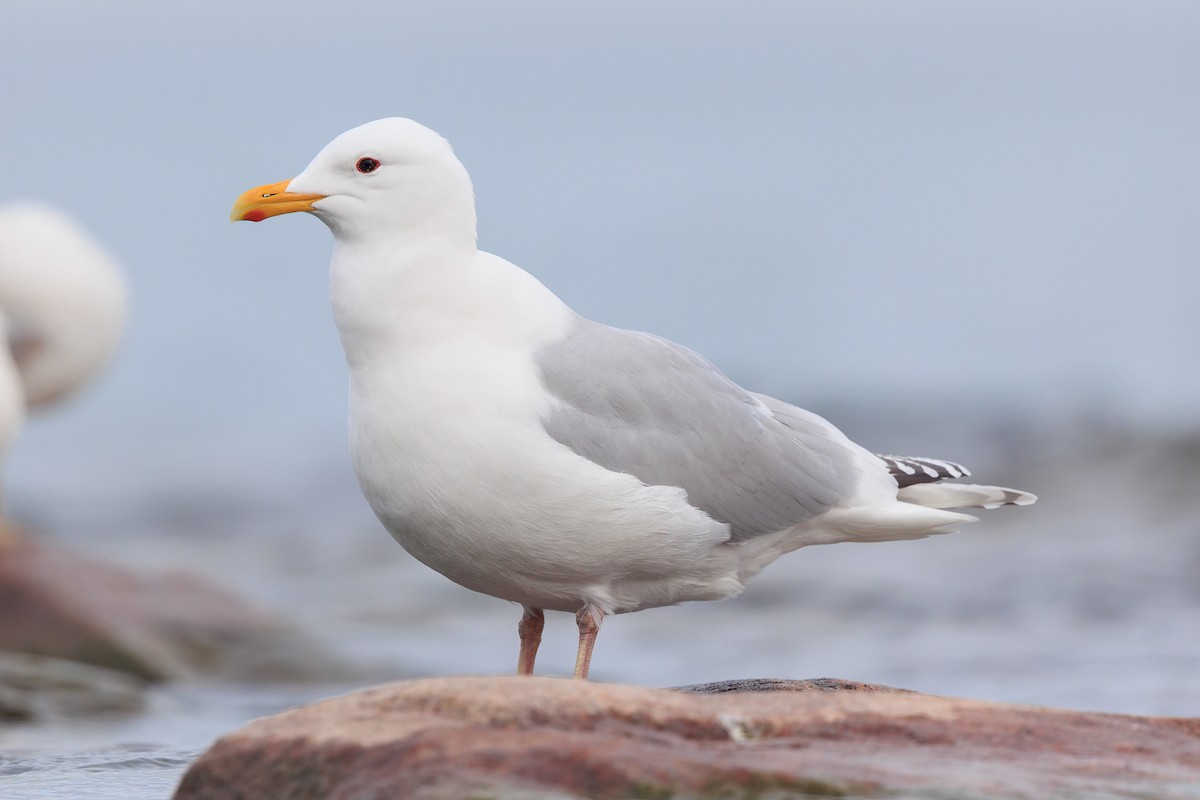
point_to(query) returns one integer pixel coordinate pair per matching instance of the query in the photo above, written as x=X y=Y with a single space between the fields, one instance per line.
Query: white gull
x=62 y=308
x=536 y=456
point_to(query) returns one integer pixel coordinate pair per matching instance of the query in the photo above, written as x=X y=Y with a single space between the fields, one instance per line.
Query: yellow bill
x=270 y=201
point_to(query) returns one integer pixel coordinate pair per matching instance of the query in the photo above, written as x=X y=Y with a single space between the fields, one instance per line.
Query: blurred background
x=962 y=231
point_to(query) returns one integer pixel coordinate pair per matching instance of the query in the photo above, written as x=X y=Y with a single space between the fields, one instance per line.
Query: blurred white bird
x=62 y=308
x=531 y=454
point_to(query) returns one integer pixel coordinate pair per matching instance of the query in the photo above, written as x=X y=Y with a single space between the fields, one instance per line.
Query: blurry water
x=1086 y=600
x=137 y=758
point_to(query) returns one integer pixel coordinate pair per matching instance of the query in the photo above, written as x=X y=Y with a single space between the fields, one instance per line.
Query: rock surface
x=40 y=688
x=157 y=627
x=514 y=737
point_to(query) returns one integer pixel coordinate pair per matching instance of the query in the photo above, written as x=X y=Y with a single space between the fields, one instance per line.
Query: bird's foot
x=588 y=619
x=530 y=631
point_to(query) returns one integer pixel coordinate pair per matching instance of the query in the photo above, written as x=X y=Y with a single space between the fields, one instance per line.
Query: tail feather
x=963 y=495
x=921 y=507
x=890 y=523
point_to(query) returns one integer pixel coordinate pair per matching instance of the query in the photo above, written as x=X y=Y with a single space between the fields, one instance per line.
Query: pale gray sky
x=827 y=199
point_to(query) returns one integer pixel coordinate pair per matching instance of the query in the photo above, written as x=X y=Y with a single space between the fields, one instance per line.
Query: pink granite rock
x=545 y=737
x=57 y=603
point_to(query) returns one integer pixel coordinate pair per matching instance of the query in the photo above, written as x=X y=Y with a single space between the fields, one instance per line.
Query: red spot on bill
x=254 y=215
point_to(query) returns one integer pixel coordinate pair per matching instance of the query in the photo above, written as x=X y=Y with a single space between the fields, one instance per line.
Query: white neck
x=389 y=300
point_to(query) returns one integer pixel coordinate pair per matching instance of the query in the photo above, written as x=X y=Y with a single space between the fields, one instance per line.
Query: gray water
x=1087 y=600
x=132 y=758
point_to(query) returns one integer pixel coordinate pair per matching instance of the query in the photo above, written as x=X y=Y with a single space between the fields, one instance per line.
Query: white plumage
x=62 y=306
x=530 y=454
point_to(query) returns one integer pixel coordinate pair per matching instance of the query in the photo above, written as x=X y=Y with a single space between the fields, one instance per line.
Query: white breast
x=448 y=446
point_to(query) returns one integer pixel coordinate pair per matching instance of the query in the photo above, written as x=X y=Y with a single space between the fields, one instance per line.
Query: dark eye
x=366 y=165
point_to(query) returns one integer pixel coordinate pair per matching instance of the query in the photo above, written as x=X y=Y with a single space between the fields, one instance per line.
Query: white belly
x=462 y=474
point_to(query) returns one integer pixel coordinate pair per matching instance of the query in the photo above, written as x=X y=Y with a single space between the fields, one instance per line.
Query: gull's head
x=391 y=178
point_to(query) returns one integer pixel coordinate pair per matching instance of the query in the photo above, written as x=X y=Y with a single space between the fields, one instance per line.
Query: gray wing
x=639 y=404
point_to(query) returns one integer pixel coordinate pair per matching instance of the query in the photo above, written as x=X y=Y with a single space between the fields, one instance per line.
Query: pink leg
x=530 y=631
x=588 y=619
